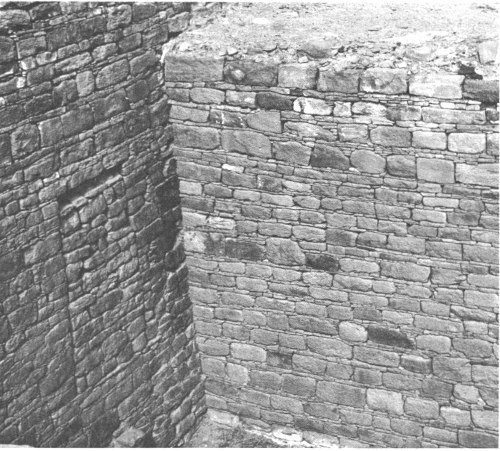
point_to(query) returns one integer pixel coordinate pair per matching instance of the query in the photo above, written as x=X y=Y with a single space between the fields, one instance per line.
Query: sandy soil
x=415 y=35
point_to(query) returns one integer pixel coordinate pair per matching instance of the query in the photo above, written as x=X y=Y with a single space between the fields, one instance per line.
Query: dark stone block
x=322 y=262
x=43 y=11
x=168 y=194
x=5 y=148
x=243 y=250
x=279 y=359
x=388 y=337
x=11 y=115
x=251 y=73
x=136 y=122
x=328 y=157
x=272 y=101
x=7 y=50
x=481 y=90
x=142 y=11
x=102 y=430
x=60 y=369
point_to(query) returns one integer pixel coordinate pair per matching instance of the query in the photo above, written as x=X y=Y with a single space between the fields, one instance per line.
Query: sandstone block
x=329 y=347
x=207 y=95
x=284 y=252
x=374 y=110
x=456 y=417
x=445 y=116
x=442 y=86
x=352 y=332
x=385 y=81
x=454 y=369
x=310 y=105
x=248 y=72
x=301 y=76
x=488 y=51
x=434 y=343
x=401 y=166
x=112 y=74
x=189 y=69
x=435 y=170
x=322 y=262
x=292 y=152
x=473 y=347
x=246 y=142
x=269 y=121
x=390 y=136
x=309 y=364
x=483 y=174
x=24 y=141
x=300 y=386
x=387 y=401
x=309 y=130
x=346 y=82
x=429 y=140
x=404 y=113
x=353 y=132
x=405 y=271
x=416 y=364
x=196 y=137
x=485 y=419
x=329 y=157
x=243 y=250
x=368 y=161
x=481 y=90
x=422 y=408
x=467 y=142
x=342 y=394
x=273 y=101
x=341 y=237
x=245 y=99
x=472 y=439
x=248 y=352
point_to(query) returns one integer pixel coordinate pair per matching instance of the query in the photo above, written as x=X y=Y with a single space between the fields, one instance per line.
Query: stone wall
x=96 y=331
x=342 y=239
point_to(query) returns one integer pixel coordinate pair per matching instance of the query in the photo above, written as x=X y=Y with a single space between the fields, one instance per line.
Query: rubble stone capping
x=332 y=276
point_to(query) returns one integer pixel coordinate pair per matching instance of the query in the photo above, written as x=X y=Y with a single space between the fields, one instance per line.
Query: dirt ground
x=416 y=35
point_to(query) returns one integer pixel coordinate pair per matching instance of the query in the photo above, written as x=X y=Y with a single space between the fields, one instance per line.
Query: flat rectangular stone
x=485 y=91
x=384 y=81
x=435 y=170
x=405 y=271
x=482 y=174
x=441 y=86
x=429 y=140
x=467 y=142
x=189 y=69
x=249 y=72
x=346 y=81
x=301 y=76
x=196 y=137
x=246 y=142
x=444 y=116
x=391 y=136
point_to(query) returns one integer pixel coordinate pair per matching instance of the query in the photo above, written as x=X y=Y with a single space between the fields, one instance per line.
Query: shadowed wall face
x=96 y=327
x=342 y=237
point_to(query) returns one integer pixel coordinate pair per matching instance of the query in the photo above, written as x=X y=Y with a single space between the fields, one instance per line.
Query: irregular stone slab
x=268 y=121
x=206 y=95
x=243 y=250
x=301 y=76
x=488 y=51
x=309 y=130
x=322 y=262
x=390 y=136
x=368 y=161
x=385 y=400
x=309 y=105
x=249 y=143
x=401 y=166
x=196 y=137
x=24 y=140
x=353 y=132
x=482 y=174
x=342 y=394
x=248 y=72
x=316 y=48
x=429 y=140
x=7 y=49
x=481 y=90
x=435 y=170
x=273 y=101
x=284 y=252
x=189 y=69
x=389 y=337
x=467 y=142
x=404 y=113
x=369 y=109
x=292 y=152
x=346 y=81
x=384 y=81
x=329 y=157
x=442 y=86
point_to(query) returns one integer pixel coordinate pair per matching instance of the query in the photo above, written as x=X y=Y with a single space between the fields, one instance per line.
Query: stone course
x=354 y=282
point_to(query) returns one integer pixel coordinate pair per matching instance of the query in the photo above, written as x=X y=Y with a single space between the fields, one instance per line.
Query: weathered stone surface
x=389 y=337
x=401 y=166
x=284 y=252
x=248 y=72
x=483 y=174
x=404 y=113
x=273 y=101
x=304 y=129
x=322 y=262
x=346 y=82
x=389 y=136
x=342 y=394
x=443 y=116
x=455 y=369
x=435 y=170
x=472 y=439
x=481 y=90
x=488 y=51
x=310 y=105
x=246 y=142
x=467 y=143
x=405 y=271
x=329 y=157
x=243 y=250
x=112 y=74
x=189 y=69
x=368 y=161
x=422 y=408
x=197 y=137
x=385 y=81
x=24 y=141
x=352 y=332
x=442 y=86
x=353 y=132
x=429 y=140
x=292 y=152
x=269 y=121
x=207 y=95
x=301 y=76
x=387 y=401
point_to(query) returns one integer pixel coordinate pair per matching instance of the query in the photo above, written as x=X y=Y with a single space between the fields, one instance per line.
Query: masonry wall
x=96 y=331
x=342 y=239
